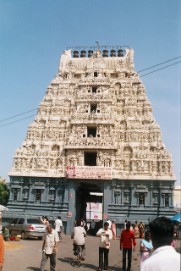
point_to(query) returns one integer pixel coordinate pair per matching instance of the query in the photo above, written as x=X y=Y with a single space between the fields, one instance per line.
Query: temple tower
x=94 y=140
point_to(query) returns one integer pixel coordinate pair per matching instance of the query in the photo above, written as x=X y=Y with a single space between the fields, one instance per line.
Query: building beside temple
x=177 y=198
x=94 y=149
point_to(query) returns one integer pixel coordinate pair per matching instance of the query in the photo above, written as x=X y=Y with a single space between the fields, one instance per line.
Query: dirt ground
x=26 y=255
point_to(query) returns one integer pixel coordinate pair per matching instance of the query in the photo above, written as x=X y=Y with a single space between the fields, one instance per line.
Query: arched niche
x=55 y=147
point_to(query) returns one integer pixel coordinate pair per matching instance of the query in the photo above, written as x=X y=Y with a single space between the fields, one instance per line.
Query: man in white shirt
x=58 y=226
x=105 y=235
x=164 y=257
x=78 y=236
x=49 y=248
x=110 y=223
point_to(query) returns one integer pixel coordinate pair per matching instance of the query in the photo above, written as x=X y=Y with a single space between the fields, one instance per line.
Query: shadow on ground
x=72 y=261
x=33 y=268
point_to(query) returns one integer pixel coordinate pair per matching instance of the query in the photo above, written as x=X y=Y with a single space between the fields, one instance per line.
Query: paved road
x=27 y=256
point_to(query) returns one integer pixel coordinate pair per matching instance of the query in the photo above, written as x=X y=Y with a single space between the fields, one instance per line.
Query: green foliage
x=4 y=192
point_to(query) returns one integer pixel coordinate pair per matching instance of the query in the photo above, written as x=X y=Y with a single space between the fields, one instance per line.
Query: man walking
x=58 y=226
x=110 y=223
x=126 y=241
x=164 y=257
x=78 y=235
x=105 y=235
x=49 y=248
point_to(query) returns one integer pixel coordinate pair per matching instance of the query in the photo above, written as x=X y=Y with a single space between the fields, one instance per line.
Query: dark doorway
x=93 y=108
x=90 y=158
x=91 y=131
x=95 y=74
x=94 y=89
x=86 y=193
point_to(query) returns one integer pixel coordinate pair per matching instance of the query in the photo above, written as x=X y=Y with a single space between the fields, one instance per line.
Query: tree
x=4 y=192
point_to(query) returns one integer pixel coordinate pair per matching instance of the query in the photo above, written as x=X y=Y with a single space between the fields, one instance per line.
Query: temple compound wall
x=94 y=139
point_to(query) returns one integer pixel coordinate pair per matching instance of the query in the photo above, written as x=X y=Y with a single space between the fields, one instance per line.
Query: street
x=26 y=255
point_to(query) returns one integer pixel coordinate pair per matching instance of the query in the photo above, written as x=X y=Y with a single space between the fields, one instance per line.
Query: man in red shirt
x=126 y=241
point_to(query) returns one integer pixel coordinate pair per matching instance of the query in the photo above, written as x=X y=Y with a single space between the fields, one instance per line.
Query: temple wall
x=94 y=129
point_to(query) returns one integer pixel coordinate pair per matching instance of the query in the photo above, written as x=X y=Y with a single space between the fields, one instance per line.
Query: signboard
x=93 y=211
x=88 y=172
x=93 y=216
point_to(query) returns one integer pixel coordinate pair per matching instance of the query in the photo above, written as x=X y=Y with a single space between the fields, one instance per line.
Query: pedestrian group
x=157 y=245
x=157 y=249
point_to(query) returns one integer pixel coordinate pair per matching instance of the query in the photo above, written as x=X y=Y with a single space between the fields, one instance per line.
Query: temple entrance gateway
x=89 y=202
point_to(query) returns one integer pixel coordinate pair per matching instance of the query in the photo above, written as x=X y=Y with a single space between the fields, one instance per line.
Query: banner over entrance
x=93 y=211
x=77 y=172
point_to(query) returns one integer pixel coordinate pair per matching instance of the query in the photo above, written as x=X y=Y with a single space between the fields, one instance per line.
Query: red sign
x=87 y=172
x=105 y=216
x=69 y=214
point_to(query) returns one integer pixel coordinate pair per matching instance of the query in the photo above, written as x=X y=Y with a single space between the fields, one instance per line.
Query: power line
x=160 y=68
x=138 y=72
x=6 y=124
x=161 y=63
x=18 y=115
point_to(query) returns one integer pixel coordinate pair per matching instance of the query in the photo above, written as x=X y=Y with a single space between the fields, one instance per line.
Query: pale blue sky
x=34 y=33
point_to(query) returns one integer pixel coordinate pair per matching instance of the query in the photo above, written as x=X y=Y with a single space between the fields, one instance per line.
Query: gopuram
x=94 y=149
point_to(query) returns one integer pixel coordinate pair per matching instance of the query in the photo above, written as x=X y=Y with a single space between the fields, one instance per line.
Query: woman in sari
x=136 y=230
x=113 y=228
x=141 y=230
x=146 y=247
